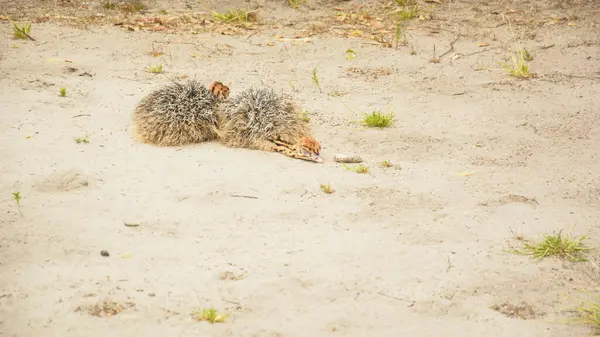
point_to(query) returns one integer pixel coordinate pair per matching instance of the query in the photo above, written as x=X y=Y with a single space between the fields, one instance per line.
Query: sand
x=419 y=248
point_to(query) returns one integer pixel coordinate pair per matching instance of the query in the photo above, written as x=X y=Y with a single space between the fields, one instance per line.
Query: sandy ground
x=415 y=249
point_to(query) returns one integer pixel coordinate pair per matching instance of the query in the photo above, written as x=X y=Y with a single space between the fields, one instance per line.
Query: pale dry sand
x=416 y=249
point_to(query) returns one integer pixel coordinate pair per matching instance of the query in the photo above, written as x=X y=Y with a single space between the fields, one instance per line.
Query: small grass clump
x=327 y=188
x=155 y=69
x=21 y=31
x=358 y=169
x=564 y=247
x=209 y=315
x=108 y=4
x=82 y=140
x=589 y=314
x=62 y=92
x=17 y=198
x=526 y=54
x=295 y=3
x=406 y=14
x=304 y=116
x=386 y=164
x=378 y=119
x=233 y=15
x=517 y=66
x=399 y=33
x=350 y=54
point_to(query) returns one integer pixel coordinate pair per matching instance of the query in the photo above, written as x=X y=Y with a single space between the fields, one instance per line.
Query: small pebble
x=347 y=159
x=104 y=253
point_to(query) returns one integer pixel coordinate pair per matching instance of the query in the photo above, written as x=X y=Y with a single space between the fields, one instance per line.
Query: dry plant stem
x=451 y=47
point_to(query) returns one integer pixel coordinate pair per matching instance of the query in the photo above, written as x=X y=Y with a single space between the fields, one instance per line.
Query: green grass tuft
x=327 y=188
x=82 y=140
x=378 y=119
x=232 y=15
x=564 y=247
x=406 y=14
x=20 y=31
x=209 y=315
x=304 y=116
x=17 y=198
x=155 y=69
x=517 y=66
x=386 y=164
x=315 y=78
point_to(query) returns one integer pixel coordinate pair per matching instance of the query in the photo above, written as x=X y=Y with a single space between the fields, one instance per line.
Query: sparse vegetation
x=209 y=315
x=304 y=116
x=407 y=13
x=406 y=2
x=155 y=69
x=589 y=314
x=386 y=164
x=360 y=168
x=82 y=140
x=350 y=54
x=564 y=247
x=378 y=119
x=233 y=15
x=315 y=78
x=21 y=31
x=517 y=66
x=62 y=92
x=108 y=4
x=399 y=33
x=327 y=188
x=526 y=54
x=295 y=3
x=17 y=198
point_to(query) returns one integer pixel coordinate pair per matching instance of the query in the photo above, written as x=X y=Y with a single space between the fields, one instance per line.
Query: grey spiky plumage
x=177 y=114
x=256 y=115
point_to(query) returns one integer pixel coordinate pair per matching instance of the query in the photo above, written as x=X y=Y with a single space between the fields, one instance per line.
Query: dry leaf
x=572 y=24
x=483 y=44
x=465 y=174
